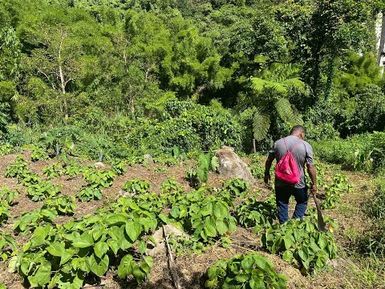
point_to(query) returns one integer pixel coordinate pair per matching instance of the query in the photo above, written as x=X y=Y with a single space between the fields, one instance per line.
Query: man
x=303 y=155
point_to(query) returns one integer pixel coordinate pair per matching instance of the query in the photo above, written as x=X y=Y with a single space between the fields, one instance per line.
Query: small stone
x=99 y=165
x=147 y=159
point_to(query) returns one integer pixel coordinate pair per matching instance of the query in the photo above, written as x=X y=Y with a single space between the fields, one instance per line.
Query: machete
x=320 y=218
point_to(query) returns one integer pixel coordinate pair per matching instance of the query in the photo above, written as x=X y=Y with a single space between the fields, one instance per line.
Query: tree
x=271 y=91
x=336 y=27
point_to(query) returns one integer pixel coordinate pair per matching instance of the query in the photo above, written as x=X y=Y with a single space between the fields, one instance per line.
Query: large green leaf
x=220 y=210
x=100 y=249
x=39 y=235
x=133 y=230
x=98 y=266
x=56 y=249
x=261 y=125
x=42 y=276
x=126 y=266
x=84 y=241
x=209 y=227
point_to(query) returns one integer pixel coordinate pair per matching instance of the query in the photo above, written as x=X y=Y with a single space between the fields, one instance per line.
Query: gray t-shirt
x=302 y=152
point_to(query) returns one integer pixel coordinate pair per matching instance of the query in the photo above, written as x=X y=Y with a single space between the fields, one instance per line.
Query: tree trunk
x=63 y=82
x=382 y=40
x=254 y=146
x=330 y=77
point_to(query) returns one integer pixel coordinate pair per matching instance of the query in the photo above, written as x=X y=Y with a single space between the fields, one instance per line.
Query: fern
x=284 y=110
x=261 y=126
x=271 y=92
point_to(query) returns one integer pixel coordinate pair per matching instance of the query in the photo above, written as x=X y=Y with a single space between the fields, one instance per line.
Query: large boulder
x=231 y=165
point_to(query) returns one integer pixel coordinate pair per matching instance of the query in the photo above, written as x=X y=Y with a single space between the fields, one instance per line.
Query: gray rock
x=147 y=159
x=230 y=165
x=160 y=245
x=99 y=165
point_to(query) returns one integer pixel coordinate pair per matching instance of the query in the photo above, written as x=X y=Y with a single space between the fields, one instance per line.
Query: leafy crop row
x=300 y=243
x=245 y=271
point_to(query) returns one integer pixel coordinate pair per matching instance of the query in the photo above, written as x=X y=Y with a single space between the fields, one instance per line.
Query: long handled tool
x=320 y=218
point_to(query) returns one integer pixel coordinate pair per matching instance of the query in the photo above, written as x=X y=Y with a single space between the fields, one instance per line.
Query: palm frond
x=261 y=125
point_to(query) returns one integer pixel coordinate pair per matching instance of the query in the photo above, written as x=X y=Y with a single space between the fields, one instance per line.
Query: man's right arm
x=268 y=164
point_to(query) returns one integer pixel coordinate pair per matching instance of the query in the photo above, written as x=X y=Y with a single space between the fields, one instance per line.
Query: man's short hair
x=297 y=128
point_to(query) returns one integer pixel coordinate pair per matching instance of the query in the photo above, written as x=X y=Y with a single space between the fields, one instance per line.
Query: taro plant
x=38 y=154
x=89 y=193
x=205 y=217
x=63 y=205
x=72 y=169
x=244 y=271
x=334 y=191
x=171 y=186
x=8 y=196
x=53 y=171
x=256 y=214
x=18 y=168
x=99 y=179
x=7 y=246
x=69 y=255
x=42 y=190
x=119 y=167
x=234 y=188
x=31 y=220
x=136 y=186
x=300 y=243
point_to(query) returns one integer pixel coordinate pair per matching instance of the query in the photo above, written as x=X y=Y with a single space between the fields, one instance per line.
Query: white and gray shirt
x=302 y=152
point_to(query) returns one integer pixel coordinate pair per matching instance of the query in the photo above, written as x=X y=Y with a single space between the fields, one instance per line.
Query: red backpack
x=287 y=169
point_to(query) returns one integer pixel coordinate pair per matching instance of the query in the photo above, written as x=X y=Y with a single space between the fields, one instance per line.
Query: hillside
x=352 y=224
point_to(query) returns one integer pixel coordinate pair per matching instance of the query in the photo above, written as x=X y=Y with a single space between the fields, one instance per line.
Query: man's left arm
x=311 y=168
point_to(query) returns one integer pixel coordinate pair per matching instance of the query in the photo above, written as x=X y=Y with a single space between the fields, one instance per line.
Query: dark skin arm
x=313 y=177
x=268 y=164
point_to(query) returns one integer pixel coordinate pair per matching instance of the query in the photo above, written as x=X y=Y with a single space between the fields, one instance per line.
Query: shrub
x=63 y=205
x=205 y=217
x=334 y=191
x=255 y=214
x=300 y=243
x=362 y=152
x=244 y=271
x=89 y=193
x=136 y=186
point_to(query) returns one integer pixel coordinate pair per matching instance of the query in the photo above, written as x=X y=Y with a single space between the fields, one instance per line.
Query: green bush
x=300 y=243
x=362 y=152
x=136 y=186
x=256 y=214
x=205 y=217
x=244 y=271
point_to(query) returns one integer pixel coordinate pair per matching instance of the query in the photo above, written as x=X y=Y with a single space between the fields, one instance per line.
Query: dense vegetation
x=125 y=78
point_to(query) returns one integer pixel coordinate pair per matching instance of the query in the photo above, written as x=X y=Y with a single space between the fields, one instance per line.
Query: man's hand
x=267 y=178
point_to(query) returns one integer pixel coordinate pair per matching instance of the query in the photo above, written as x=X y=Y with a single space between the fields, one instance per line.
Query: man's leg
x=282 y=196
x=301 y=198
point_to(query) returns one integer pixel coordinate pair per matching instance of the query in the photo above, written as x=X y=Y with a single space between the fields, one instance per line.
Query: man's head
x=298 y=131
